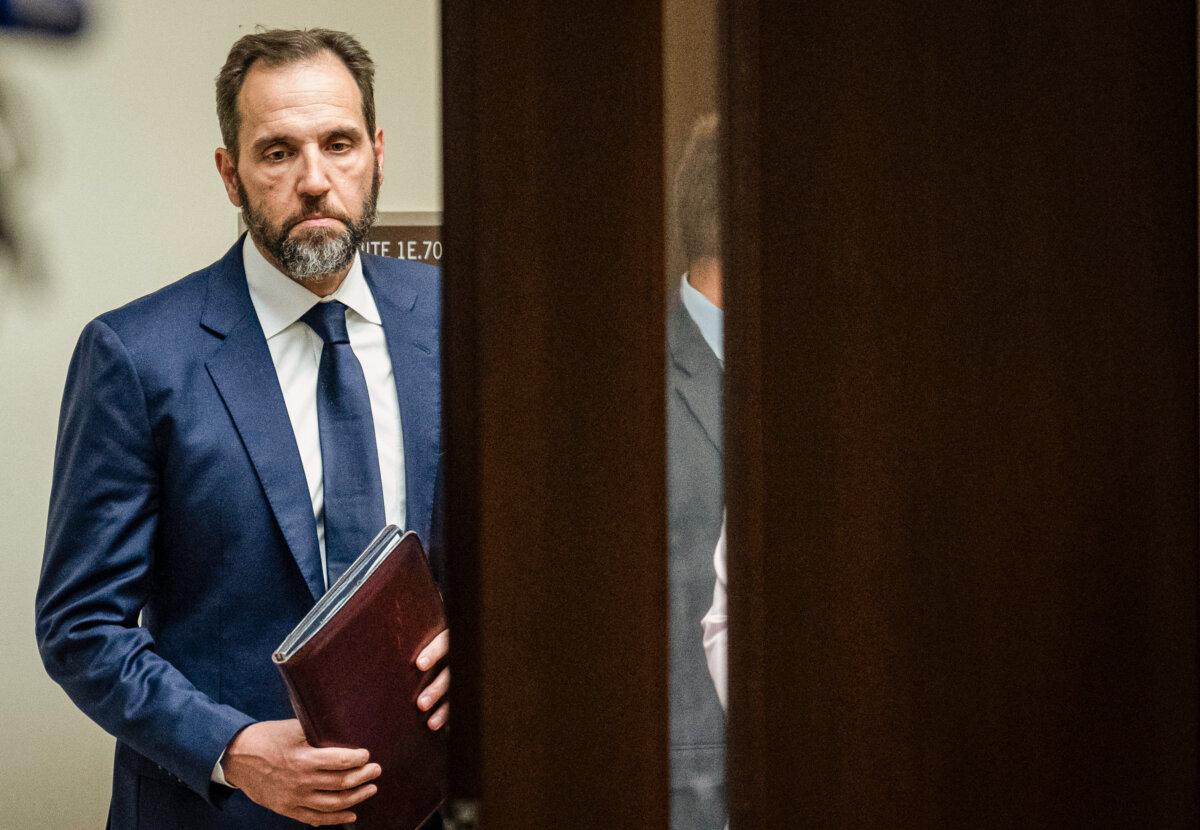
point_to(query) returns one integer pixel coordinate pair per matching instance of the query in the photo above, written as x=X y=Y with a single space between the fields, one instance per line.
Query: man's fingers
x=325 y=780
x=319 y=819
x=327 y=802
x=279 y=770
x=435 y=651
x=438 y=719
x=333 y=758
x=435 y=691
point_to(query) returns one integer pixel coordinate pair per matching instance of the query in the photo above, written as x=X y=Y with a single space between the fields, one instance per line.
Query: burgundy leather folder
x=350 y=672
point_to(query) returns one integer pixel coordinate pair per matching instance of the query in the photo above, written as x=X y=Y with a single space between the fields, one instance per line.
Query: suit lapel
x=245 y=377
x=699 y=377
x=413 y=348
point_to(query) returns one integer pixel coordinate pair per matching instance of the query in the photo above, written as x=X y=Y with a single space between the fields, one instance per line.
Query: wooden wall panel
x=554 y=411
x=962 y=430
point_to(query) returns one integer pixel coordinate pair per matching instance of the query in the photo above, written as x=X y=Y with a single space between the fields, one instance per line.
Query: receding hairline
x=324 y=55
x=360 y=128
x=285 y=47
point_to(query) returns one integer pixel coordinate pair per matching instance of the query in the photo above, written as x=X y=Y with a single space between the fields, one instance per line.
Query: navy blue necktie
x=349 y=458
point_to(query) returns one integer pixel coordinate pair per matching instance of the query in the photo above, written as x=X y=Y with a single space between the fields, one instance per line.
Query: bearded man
x=228 y=444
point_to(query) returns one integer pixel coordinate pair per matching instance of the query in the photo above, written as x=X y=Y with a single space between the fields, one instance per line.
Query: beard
x=316 y=253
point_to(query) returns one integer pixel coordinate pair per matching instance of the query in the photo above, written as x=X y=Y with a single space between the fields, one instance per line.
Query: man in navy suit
x=204 y=496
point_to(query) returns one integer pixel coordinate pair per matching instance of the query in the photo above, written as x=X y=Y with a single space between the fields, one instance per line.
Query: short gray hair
x=695 y=197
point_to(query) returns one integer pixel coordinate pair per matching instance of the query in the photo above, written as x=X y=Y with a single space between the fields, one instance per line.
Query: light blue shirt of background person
x=707 y=317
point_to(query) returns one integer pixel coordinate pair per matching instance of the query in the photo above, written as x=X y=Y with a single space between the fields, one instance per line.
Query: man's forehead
x=317 y=87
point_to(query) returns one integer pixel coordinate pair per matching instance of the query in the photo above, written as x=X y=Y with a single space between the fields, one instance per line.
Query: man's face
x=307 y=172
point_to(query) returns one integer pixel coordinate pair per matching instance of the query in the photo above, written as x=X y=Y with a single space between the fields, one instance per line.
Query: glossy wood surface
x=961 y=424
x=554 y=357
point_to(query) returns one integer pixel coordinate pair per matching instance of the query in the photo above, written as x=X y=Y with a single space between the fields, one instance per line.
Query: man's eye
x=276 y=155
x=340 y=146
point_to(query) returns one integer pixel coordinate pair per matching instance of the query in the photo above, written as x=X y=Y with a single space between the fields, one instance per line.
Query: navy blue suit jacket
x=179 y=497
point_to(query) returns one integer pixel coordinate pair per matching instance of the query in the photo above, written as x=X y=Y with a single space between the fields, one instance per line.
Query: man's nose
x=314 y=179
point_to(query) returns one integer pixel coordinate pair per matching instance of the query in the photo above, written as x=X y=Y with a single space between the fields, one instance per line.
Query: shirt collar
x=280 y=301
x=707 y=317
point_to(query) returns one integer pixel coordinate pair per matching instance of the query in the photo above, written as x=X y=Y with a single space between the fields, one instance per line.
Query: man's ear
x=379 y=151
x=228 y=171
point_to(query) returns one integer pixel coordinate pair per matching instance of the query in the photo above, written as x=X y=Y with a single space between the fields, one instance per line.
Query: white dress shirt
x=716 y=626
x=295 y=349
x=707 y=317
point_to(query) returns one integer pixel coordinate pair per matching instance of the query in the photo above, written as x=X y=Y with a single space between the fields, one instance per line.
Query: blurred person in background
x=695 y=365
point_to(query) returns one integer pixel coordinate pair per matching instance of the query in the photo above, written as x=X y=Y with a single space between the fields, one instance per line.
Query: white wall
x=125 y=198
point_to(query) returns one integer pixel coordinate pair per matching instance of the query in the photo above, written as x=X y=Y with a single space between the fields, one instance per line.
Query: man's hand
x=276 y=767
x=435 y=691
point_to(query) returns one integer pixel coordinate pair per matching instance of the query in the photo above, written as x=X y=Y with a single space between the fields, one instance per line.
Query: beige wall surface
x=122 y=198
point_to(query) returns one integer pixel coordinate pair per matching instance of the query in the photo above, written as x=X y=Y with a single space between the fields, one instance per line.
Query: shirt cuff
x=218 y=773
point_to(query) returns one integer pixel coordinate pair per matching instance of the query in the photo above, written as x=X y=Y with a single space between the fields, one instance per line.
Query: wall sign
x=416 y=236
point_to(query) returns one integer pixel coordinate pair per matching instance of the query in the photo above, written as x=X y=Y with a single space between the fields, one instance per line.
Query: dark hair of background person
x=695 y=198
x=279 y=47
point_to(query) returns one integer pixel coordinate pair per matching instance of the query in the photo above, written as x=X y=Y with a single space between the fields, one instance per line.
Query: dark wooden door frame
x=961 y=413
x=961 y=416
x=748 y=753
x=554 y=415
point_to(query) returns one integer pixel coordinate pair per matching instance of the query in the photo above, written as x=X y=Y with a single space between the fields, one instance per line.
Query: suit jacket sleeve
x=96 y=573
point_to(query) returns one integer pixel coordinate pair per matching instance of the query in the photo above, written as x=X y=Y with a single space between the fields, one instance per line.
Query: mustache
x=308 y=209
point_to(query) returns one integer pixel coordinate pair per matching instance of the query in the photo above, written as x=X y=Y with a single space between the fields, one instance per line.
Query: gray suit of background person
x=694 y=371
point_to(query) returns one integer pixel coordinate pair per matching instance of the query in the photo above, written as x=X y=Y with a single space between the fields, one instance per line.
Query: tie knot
x=328 y=320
